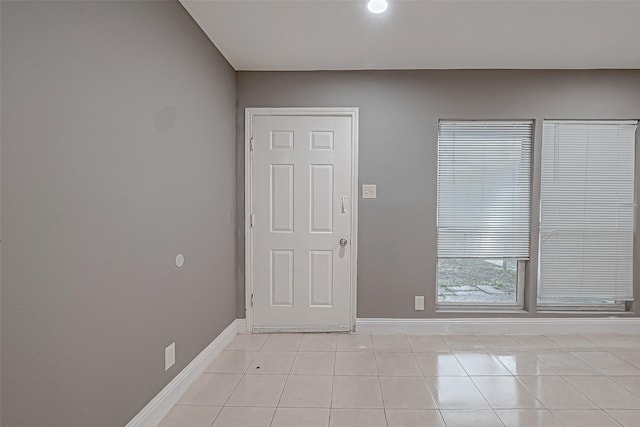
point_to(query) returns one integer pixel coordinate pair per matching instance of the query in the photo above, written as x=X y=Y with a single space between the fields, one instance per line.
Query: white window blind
x=484 y=189
x=587 y=210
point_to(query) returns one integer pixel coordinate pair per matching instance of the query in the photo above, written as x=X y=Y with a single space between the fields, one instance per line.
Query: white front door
x=301 y=200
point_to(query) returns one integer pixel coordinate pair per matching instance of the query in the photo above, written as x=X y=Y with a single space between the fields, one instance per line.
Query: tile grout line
x=498 y=417
x=384 y=407
x=333 y=379
x=441 y=416
x=636 y=394
x=224 y=405
x=608 y=412
x=461 y=365
x=580 y=392
x=242 y=376
x=296 y=351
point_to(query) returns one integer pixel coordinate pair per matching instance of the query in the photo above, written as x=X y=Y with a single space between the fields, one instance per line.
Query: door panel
x=281 y=198
x=301 y=198
x=321 y=278
x=321 y=198
x=281 y=277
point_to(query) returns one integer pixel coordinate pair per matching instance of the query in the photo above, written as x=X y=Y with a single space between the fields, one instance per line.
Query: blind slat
x=484 y=189
x=587 y=210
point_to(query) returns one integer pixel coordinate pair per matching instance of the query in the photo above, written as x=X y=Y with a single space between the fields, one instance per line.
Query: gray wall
x=399 y=112
x=118 y=152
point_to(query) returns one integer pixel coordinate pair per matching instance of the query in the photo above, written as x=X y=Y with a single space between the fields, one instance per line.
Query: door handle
x=343 y=199
x=343 y=242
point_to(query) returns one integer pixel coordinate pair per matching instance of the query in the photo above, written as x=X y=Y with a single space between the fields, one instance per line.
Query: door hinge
x=251 y=300
x=251 y=220
x=251 y=144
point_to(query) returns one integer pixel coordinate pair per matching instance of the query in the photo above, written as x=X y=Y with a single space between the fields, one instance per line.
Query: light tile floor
x=335 y=380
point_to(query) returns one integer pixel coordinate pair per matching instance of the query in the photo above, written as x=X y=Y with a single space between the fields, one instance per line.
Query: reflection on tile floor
x=332 y=380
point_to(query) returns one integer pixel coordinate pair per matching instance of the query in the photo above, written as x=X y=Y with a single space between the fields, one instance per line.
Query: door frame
x=250 y=113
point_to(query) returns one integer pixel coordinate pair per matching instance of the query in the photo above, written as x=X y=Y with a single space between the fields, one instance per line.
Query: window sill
x=482 y=310
x=587 y=313
x=584 y=308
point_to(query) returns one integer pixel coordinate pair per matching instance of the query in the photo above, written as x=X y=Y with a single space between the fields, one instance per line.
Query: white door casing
x=301 y=201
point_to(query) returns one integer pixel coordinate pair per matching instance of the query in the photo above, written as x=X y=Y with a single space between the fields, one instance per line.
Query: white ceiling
x=422 y=34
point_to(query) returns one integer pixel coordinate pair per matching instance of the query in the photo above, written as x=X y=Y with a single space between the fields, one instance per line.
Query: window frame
x=485 y=307
x=619 y=306
x=522 y=284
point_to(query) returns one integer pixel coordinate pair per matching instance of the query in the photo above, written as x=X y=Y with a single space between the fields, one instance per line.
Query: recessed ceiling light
x=377 y=6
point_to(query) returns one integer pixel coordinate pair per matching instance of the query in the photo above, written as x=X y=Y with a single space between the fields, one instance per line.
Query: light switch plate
x=368 y=191
x=419 y=303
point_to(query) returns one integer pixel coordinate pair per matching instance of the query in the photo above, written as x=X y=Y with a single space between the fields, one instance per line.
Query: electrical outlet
x=169 y=356
x=419 y=303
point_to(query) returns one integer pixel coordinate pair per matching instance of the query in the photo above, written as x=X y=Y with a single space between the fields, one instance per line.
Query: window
x=484 y=205
x=587 y=213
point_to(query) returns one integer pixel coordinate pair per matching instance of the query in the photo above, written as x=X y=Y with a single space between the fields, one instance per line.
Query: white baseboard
x=159 y=406
x=499 y=326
